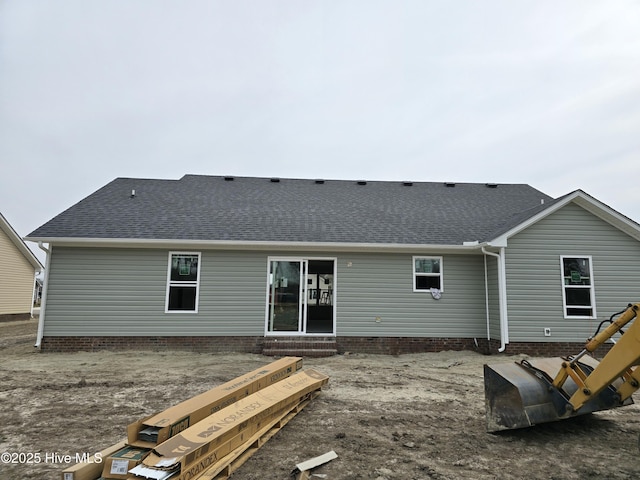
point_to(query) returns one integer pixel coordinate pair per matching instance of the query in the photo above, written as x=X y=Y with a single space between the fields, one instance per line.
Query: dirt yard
x=404 y=417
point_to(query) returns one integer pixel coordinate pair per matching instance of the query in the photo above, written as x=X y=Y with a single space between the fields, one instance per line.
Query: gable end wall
x=534 y=286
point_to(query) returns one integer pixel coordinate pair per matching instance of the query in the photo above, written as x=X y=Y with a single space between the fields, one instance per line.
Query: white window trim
x=195 y=283
x=415 y=274
x=591 y=289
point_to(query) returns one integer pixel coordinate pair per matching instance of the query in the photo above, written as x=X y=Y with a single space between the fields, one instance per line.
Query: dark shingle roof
x=250 y=209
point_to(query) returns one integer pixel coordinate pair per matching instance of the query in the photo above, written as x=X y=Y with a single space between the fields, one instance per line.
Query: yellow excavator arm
x=618 y=362
x=541 y=390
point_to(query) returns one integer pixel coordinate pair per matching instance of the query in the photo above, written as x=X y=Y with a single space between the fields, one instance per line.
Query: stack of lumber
x=210 y=435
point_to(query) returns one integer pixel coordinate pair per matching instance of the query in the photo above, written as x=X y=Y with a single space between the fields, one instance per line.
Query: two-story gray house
x=279 y=265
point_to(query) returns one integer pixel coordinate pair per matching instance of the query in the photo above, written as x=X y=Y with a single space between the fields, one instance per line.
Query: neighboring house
x=37 y=293
x=250 y=264
x=18 y=270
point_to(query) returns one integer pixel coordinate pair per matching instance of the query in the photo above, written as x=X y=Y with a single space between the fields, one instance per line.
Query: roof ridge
x=344 y=180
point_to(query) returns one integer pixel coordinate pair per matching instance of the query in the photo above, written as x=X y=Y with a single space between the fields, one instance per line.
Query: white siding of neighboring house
x=17 y=278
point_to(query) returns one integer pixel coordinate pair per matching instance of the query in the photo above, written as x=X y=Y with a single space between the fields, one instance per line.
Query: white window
x=183 y=282
x=577 y=287
x=427 y=274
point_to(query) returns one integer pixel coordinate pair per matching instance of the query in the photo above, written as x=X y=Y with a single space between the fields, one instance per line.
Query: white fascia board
x=252 y=245
x=19 y=243
x=583 y=200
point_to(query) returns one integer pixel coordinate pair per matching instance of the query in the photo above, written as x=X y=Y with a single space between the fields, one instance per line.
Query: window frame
x=590 y=288
x=423 y=274
x=176 y=283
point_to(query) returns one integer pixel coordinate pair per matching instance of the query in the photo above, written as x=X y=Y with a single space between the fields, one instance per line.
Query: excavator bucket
x=521 y=394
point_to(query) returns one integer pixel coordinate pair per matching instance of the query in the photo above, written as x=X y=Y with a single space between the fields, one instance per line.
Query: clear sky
x=542 y=92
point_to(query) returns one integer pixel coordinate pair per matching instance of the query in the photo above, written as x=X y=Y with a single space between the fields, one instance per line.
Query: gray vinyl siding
x=104 y=292
x=533 y=274
x=382 y=286
x=92 y=292
x=95 y=291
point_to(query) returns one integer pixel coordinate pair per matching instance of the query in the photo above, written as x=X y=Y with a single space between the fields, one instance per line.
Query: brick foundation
x=400 y=345
x=556 y=349
x=373 y=345
x=194 y=344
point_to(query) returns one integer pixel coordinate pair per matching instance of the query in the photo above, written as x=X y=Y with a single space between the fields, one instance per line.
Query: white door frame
x=303 y=296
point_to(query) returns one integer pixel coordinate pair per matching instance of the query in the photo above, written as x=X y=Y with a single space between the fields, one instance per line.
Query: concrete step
x=306 y=352
x=300 y=347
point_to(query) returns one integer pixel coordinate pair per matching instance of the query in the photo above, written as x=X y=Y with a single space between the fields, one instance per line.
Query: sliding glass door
x=300 y=296
x=286 y=284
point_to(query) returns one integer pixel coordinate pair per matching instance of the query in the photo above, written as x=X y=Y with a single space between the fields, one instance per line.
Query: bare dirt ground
x=404 y=417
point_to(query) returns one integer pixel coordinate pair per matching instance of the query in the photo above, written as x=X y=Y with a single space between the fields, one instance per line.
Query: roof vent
x=228 y=179
x=319 y=181
x=133 y=192
x=275 y=180
x=407 y=184
x=449 y=184
x=362 y=182
x=491 y=185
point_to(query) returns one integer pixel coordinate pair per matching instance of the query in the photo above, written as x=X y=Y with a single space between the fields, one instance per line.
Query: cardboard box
x=189 y=453
x=117 y=465
x=153 y=430
x=90 y=470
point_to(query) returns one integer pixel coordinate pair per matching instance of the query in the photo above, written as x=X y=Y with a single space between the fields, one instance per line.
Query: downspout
x=43 y=302
x=502 y=287
x=486 y=297
x=502 y=298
